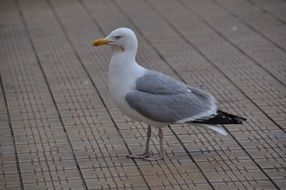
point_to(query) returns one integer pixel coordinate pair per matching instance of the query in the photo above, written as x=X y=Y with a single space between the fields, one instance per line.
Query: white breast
x=122 y=76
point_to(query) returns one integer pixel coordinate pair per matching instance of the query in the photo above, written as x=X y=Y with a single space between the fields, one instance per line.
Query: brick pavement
x=60 y=129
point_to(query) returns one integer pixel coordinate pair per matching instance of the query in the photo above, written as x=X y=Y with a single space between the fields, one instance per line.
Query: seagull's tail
x=221 y=118
x=218 y=129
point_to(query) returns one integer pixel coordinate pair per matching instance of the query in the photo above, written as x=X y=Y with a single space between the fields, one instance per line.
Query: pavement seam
x=267 y=11
x=51 y=94
x=232 y=43
x=12 y=134
x=249 y=25
x=259 y=33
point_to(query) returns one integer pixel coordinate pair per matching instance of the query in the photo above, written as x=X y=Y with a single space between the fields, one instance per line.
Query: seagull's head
x=121 y=39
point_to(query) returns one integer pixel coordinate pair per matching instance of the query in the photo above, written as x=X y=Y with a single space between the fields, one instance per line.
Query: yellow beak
x=100 y=42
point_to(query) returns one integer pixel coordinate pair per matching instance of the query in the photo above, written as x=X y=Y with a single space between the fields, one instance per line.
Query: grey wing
x=158 y=83
x=172 y=108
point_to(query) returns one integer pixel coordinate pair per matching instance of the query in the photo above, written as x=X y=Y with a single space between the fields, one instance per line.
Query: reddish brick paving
x=59 y=129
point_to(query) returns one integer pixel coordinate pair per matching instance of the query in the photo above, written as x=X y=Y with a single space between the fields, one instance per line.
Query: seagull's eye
x=117 y=37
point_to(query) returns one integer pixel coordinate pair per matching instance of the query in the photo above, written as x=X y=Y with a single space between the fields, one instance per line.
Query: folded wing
x=164 y=99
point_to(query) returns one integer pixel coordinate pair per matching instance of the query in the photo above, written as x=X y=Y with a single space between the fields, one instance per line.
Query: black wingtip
x=222 y=118
x=235 y=118
x=240 y=119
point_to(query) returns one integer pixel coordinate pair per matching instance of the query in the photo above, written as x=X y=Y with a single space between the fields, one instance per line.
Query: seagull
x=155 y=98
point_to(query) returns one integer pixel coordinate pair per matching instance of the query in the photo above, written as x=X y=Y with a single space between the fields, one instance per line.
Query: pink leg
x=146 y=152
x=160 y=156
